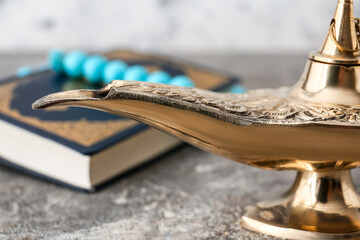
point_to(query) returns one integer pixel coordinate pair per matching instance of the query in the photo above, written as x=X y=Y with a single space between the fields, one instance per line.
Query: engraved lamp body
x=312 y=127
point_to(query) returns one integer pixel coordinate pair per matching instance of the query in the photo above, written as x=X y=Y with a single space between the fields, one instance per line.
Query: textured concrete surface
x=165 y=25
x=186 y=194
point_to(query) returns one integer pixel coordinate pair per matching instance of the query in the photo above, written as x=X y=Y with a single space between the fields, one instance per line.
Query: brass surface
x=318 y=206
x=329 y=83
x=282 y=140
x=312 y=127
x=341 y=46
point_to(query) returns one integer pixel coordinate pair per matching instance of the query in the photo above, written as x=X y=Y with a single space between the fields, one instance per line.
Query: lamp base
x=319 y=205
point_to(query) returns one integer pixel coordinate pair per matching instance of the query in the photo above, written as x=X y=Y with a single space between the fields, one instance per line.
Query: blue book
x=84 y=148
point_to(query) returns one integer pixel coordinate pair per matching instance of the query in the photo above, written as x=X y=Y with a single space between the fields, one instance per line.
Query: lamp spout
x=189 y=114
x=264 y=128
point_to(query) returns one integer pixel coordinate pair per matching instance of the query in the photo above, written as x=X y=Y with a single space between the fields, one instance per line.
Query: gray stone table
x=186 y=194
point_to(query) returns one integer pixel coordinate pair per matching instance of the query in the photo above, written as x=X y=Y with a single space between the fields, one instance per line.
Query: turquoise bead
x=93 y=68
x=238 y=89
x=23 y=71
x=114 y=70
x=159 y=77
x=136 y=73
x=73 y=63
x=55 y=59
x=182 y=81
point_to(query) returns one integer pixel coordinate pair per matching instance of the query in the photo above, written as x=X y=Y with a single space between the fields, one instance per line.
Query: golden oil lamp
x=312 y=127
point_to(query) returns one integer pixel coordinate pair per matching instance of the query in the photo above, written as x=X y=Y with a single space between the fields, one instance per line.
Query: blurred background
x=166 y=26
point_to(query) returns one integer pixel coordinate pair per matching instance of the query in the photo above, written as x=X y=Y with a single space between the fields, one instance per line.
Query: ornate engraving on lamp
x=312 y=127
